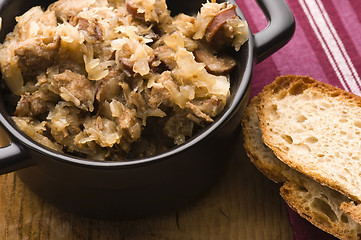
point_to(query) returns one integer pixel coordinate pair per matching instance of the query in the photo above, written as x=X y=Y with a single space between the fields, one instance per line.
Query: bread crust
x=260 y=155
x=320 y=206
x=276 y=115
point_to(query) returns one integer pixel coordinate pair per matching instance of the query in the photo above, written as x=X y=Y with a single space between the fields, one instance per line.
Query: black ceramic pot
x=145 y=186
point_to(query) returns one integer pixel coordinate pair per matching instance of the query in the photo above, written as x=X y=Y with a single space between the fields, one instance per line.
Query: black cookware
x=150 y=185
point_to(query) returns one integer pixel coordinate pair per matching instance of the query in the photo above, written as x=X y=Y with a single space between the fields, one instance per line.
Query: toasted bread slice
x=318 y=204
x=261 y=155
x=314 y=128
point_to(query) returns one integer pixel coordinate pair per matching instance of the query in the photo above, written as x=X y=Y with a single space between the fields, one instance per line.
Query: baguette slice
x=261 y=155
x=318 y=204
x=314 y=128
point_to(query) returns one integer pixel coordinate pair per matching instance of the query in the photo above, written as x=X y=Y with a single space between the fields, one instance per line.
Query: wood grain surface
x=242 y=205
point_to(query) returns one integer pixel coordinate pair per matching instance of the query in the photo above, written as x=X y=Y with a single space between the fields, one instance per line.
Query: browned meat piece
x=64 y=123
x=197 y=112
x=139 y=102
x=218 y=21
x=130 y=127
x=212 y=106
x=76 y=88
x=83 y=23
x=159 y=93
x=91 y=27
x=36 y=54
x=127 y=64
x=35 y=104
x=133 y=10
x=202 y=110
x=215 y=64
x=109 y=87
x=166 y=55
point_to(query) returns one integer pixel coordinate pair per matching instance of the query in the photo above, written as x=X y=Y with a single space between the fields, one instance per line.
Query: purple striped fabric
x=326 y=46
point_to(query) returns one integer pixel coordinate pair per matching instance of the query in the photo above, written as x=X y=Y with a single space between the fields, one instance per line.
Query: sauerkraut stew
x=116 y=80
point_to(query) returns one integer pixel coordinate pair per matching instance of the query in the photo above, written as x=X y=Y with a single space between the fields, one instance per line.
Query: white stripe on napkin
x=332 y=45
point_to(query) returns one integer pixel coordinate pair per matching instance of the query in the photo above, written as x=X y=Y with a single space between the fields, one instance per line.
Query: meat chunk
x=133 y=10
x=159 y=93
x=128 y=124
x=218 y=21
x=215 y=64
x=35 y=104
x=202 y=110
x=166 y=55
x=197 y=112
x=64 y=123
x=92 y=28
x=36 y=54
x=212 y=106
x=76 y=88
x=109 y=87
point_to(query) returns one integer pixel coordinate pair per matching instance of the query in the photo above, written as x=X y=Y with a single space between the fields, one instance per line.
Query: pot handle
x=12 y=155
x=280 y=29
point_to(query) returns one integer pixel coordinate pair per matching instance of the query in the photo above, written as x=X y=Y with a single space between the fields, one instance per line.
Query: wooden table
x=242 y=205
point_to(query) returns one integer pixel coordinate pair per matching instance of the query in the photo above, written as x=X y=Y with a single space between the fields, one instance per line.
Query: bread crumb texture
x=321 y=206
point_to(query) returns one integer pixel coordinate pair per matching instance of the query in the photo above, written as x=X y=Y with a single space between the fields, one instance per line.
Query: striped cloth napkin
x=326 y=46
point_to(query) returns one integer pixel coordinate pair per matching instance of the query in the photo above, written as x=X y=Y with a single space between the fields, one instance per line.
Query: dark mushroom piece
x=218 y=21
x=133 y=10
x=215 y=64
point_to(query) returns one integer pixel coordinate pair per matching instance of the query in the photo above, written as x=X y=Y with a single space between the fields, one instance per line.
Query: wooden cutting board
x=242 y=205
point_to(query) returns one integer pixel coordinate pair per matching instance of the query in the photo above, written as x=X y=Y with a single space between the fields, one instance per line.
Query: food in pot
x=115 y=79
